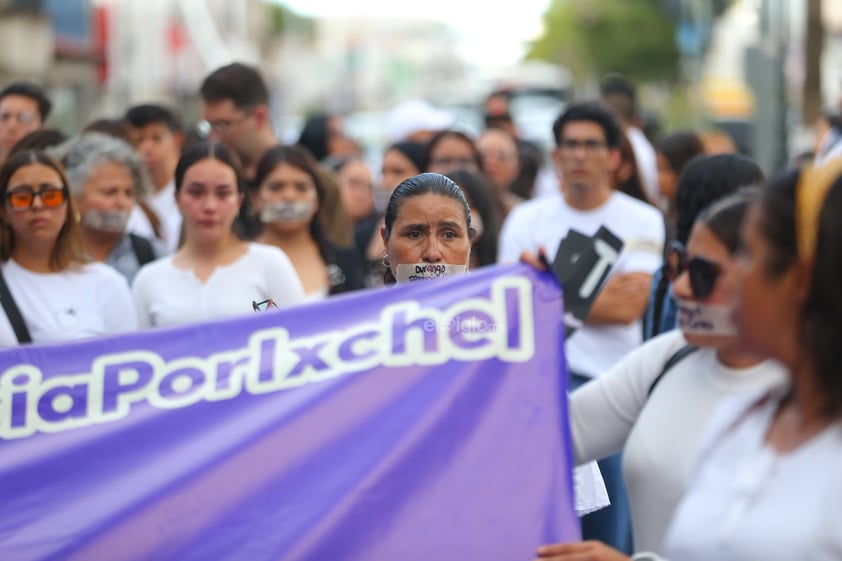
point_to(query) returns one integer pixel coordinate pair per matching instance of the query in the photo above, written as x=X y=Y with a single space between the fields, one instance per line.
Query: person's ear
x=383 y=234
x=261 y=115
x=178 y=140
x=615 y=158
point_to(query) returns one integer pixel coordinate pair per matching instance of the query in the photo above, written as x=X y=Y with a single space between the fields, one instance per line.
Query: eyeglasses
x=703 y=272
x=590 y=145
x=22 y=197
x=451 y=164
x=22 y=117
x=221 y=126
x=499 y=155
x=264 y=305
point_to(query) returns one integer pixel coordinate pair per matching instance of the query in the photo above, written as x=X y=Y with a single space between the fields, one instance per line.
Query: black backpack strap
x=677 y=357
x=659 y=298
x=142 y=249
x=13 y=313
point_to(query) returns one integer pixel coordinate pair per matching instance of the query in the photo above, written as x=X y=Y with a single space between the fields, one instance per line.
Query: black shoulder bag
x=11 y=309
x=677 y=357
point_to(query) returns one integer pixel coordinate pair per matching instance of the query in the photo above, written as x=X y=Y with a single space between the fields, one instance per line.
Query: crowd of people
x=704 y=379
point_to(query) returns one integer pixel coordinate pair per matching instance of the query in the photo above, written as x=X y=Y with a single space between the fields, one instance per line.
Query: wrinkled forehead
x=431 y=209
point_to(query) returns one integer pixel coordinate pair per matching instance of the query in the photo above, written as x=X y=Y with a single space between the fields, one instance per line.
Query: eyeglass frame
x=588 y=145
x=33 y=193
x=701 y=287
x=28 y=116
x=263 y=305
x=222 y=126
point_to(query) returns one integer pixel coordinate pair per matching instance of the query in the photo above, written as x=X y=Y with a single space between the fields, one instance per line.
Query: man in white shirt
x=588 y=138
x=156 y=134
x=619 y=95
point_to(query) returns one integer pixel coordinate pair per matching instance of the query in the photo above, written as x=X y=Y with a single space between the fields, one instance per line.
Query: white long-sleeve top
x=659 y=434
x=748 y=501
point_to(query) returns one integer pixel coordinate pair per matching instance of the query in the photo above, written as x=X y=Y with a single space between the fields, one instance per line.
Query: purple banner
x=421 y=422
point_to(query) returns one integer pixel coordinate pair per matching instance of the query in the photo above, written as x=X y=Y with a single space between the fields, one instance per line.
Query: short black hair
x=140 y=116
x=594 y=112
x=239 y=82
x=32 y=91
x=314 y=135
x=617 y=84
x=620 y=95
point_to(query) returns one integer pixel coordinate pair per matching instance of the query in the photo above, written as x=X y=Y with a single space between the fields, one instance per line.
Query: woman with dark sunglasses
x=53 y=294
x=769 y=481
x=655 y=404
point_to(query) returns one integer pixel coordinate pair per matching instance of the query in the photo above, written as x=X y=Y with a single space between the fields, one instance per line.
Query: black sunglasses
x=703 y=272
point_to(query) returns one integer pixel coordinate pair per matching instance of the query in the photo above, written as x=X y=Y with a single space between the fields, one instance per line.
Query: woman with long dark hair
x=288 y=197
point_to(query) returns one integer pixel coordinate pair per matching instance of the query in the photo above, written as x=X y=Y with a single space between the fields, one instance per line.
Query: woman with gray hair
x=107 y=179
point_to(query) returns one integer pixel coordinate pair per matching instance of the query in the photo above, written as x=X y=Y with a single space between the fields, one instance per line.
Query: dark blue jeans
x=610 y=525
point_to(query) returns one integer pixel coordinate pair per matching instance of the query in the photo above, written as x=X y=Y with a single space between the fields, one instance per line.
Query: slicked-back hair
x=423 y=184
x=205 y=151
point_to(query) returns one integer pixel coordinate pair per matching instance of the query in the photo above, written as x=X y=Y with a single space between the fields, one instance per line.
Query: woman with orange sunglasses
x=49 y=291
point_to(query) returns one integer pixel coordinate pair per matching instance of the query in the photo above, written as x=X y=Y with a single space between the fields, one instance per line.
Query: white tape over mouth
x=106 y=220
x=705 y=319
x=292 y=211
x=424 y=271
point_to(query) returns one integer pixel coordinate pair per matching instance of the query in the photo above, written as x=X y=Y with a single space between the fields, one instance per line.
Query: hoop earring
x=386 y=262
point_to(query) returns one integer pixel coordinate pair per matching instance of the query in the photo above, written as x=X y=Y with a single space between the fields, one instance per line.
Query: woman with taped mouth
x=214 y=274
x=107 y=178
x=427 y=233
x=655 y=404
x=288 y=201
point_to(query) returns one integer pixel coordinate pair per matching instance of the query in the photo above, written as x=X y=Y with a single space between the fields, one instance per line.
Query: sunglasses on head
x=702 y=272
x=22 y=197
x=264 y=305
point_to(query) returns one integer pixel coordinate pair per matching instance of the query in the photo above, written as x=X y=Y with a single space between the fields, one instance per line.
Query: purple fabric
x=417 y=422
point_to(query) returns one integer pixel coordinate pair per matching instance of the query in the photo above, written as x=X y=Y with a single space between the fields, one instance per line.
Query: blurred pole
x=814 y=44
x=765 y=74
x=692 y=37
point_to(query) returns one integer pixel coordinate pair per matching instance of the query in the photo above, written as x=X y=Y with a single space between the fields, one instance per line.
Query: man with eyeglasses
x=23 y=109
x=235 y=107
x=587 y=152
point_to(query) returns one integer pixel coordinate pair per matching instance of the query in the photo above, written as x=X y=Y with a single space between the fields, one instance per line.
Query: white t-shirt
x=593 y=349
x=747 y=501
x=659 y=434
x=139 y=223
x=647 y=161
x=164 y=205
x=166 y=295
x=91 y=301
